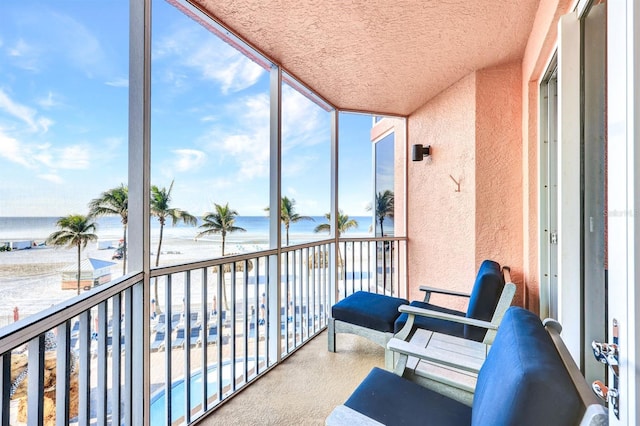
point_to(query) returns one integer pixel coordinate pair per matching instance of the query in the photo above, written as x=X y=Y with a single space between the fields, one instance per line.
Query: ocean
x=37 y=229
x=27 y=279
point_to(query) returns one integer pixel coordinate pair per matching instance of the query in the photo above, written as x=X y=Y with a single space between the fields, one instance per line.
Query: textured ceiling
x=385 y=56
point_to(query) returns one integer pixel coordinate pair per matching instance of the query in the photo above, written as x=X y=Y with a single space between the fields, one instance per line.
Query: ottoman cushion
x=370 y=310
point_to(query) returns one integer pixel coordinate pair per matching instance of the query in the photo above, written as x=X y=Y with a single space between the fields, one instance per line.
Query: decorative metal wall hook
x=456 y=182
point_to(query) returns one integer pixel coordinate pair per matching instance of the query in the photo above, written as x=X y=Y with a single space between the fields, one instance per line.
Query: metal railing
x=215 y=326
x=376 y=265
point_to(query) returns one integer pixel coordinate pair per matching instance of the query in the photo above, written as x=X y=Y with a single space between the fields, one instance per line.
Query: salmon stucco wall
x=441 y=220
x=475 y=132
x=499 y=169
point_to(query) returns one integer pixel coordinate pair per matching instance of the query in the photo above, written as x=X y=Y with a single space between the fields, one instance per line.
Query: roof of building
x=88 y=264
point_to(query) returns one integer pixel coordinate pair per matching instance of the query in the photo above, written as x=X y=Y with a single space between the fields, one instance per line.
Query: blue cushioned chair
x=378 y=317
x=528 y=378
x=482 y=304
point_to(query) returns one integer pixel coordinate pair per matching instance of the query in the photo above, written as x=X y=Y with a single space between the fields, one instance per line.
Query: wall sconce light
x=419 y=152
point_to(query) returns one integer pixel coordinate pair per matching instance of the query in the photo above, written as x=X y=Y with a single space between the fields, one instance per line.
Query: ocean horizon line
x=37 y=228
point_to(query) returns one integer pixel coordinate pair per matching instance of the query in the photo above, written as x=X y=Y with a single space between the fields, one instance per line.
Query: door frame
x=623 y=138
x=548 y=193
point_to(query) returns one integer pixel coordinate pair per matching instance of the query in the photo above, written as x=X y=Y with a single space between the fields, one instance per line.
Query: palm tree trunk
x=124 y=250
x=286 y=227
x=340 y=266
x=155 y=282
x=224 y=280
x=78 y=268
x=381 y=230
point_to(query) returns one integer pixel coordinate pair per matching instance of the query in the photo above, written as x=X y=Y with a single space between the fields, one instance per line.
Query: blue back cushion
x=484 y=297
x=524 y=381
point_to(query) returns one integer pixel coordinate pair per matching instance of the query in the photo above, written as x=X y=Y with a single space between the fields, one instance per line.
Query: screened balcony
x=216 y=325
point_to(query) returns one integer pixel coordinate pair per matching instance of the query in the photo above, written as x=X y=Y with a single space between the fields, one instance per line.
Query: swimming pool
x=158 y=414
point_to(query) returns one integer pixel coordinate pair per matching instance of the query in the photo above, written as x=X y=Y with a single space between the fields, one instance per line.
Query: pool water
x=158 y=405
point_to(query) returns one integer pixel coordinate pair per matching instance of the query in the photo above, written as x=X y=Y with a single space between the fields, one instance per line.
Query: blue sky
x=63 y=117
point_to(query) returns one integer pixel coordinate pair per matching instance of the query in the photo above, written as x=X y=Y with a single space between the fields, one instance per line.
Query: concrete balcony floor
x=306 y=387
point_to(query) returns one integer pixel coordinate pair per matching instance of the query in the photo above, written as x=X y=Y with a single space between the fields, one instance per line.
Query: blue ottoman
x=368 y=315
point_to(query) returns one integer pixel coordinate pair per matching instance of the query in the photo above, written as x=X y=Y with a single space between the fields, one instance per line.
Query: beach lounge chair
x=178 y=342
x=175 y=320
x=75 y=328
x=195 y=319
x=212 y=335
x=161 y=324
x=158 y=341
x=73 y=342
x=378 y=317
x=529 y=378
x=195 y=336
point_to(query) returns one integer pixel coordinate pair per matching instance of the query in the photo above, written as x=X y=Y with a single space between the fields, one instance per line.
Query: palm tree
x=160 y=208
x=344 y=224
x=221 y=221
x=75 y=231
x=384 y=207
x=114 y=202
x=288 y=214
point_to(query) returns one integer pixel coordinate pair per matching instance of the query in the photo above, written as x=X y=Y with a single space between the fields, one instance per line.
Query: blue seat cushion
x=433 y=324
x=523 y=380
x=484 y=298
x=392 y=400
x=369 y=310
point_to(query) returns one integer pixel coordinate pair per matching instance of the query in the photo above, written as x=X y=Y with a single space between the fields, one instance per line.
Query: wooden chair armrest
x=428 y=290
x=412 y=311
x=407 y=348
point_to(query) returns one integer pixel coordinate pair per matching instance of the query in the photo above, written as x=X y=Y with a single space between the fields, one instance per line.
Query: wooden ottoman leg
x=331 y=333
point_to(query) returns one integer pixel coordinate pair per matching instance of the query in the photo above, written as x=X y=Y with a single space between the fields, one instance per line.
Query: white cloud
x=112 y=144
x=21 y=112
x=303 y=122
x=51 y=177
x=33 y=156
x=245 y=141
x=211 y=58
x=207 y=118
x=76 y=41
x=44 y=123
x=21 y=48
x=54 y=39
x=188 y=159
x=48 y=101
x=118 y=82
x=11 y=150
x=233 y=71
x=23 y=55
x=74 y=157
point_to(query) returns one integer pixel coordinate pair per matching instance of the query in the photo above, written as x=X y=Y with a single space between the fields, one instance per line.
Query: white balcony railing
x=215 y=327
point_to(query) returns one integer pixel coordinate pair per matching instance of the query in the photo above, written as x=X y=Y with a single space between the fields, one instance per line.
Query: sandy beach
x=30 y=279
